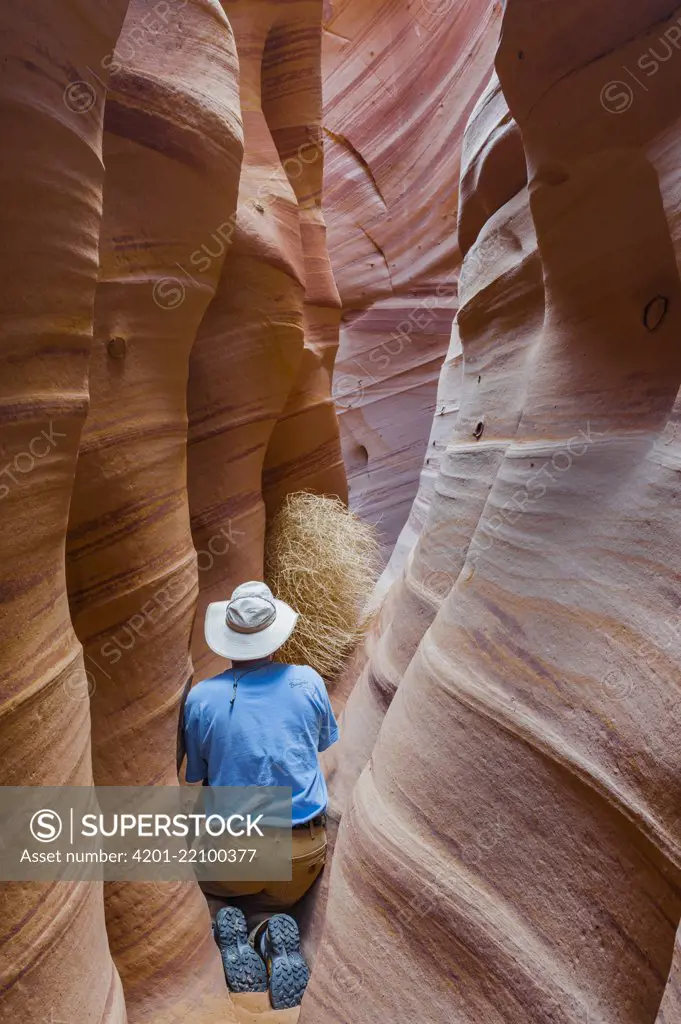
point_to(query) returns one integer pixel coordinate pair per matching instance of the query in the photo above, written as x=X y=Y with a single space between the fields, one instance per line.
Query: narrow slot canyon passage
x=340 y=507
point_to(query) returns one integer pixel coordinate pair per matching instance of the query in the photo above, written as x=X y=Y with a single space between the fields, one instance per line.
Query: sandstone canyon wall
x=54 y=959
x=670 y=1008
x=172 y=150
x=505 y=795
x=512 y=847
x=262 y=420
x=172 y=147
x=500 y=297
x=400 y=80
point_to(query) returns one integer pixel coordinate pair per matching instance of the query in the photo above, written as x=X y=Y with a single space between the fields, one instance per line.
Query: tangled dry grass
x=323 y=561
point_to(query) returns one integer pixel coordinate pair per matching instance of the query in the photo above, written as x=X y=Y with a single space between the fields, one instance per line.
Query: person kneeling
x=262 y=723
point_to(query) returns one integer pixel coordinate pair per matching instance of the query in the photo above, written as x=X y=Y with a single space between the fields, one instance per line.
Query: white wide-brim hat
x=252 y=624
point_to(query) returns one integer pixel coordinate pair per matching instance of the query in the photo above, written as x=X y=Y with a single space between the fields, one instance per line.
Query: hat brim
x=243 y=646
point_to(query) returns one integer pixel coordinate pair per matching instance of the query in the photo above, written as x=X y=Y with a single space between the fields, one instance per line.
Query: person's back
x=262 y=724
x=265 y=731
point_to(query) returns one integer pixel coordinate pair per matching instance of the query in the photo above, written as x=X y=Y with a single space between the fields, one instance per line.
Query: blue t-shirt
x=270 y=736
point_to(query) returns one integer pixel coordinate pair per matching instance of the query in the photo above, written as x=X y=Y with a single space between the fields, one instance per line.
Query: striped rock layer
x=512 y=846
x=108 y=283
x=54 y=958
x=400 y=81
x=262 y=420
x=172 y=150
x=500 y=291
x=507 y=783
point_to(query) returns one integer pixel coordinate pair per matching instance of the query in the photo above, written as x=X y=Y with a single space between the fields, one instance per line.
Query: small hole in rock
x=655 y=312
x=116 y=347
x=477 y=433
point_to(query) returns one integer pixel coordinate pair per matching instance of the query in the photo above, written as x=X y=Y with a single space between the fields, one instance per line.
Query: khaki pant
x=308 y=855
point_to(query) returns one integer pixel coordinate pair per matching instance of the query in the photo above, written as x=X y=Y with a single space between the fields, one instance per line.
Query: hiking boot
x=279 y=944
x=244 y=968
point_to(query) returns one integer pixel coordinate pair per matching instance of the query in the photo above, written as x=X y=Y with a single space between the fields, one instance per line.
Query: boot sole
x=289 y=973
x=243 y=967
